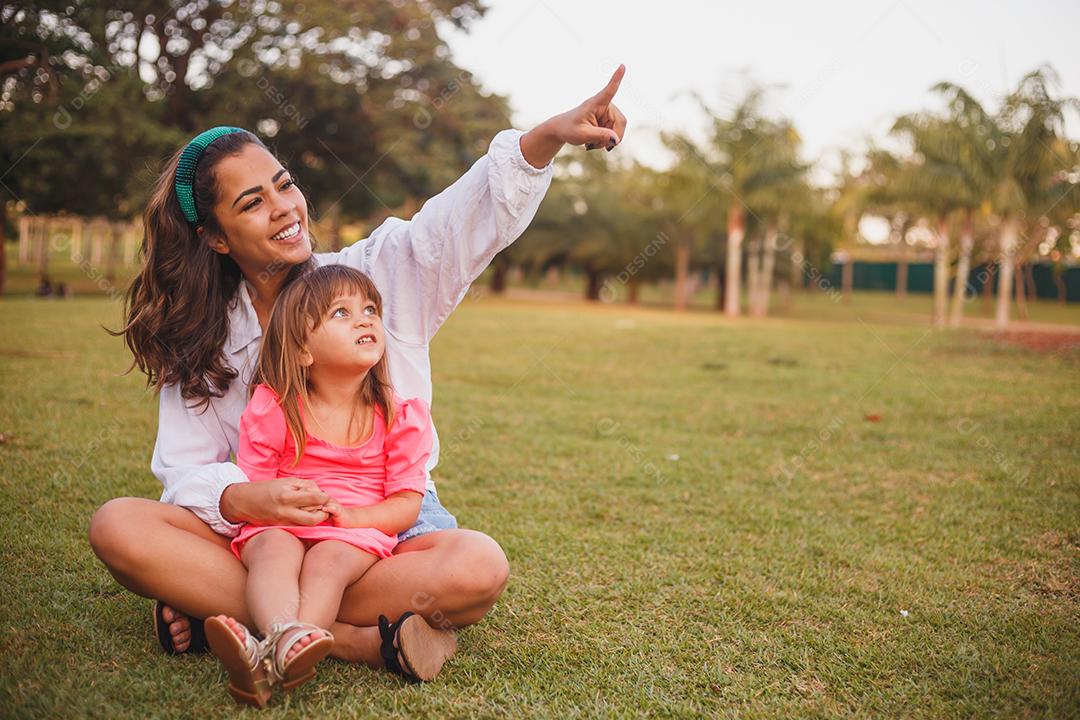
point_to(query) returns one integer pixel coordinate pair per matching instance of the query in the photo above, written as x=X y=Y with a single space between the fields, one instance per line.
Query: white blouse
x=423 y=267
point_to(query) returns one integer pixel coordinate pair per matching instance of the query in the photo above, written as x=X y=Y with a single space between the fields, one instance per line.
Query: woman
x=226 y=230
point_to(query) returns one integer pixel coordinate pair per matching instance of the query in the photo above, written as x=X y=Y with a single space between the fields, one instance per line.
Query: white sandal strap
x=274 y=650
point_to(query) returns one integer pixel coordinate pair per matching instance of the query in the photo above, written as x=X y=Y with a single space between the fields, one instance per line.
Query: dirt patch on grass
x=1065 y=344
x=1056 y=575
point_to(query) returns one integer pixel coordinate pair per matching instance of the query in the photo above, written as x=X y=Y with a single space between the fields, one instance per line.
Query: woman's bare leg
x=162 y=551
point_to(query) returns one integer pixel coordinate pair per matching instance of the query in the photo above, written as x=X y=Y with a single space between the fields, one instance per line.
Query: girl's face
x=350 y=338
x=262 y=214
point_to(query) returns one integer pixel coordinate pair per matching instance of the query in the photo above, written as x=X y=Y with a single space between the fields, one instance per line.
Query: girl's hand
x=336 y=512
x=594 y=123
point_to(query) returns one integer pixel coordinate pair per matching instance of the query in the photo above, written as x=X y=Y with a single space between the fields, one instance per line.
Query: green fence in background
x=882 y=276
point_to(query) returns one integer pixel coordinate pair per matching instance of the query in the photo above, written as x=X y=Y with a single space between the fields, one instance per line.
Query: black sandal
x=423 y=649
x=197 y=644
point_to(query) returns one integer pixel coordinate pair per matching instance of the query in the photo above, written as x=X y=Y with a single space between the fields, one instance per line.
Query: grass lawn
x=789 y=517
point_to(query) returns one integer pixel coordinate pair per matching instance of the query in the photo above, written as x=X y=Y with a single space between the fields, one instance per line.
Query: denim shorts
x=433 y=516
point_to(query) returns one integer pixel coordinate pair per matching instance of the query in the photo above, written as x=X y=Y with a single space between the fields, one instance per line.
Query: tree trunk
x=112 y=251
x=963 y=270
x=498 y=274
x=988 y=287
x=847 y=277
x=797 y=272
x=97 y=242
x=682 y=271
x=1021 y=295
x=1005 y=272
x=42 y=246
x=25 y=240
x=3 y=244
x=1032 y=291
x=131 y=246
x=1059 y=283
x=552 y=276
x=941 y=272
x=593 y=283
x=768 y=265
x=76 y=240
x=901 y=276
x=721 y=284
x=753 y=274
x=633 y=287
x=783 y=294
x=732 y=271
x=902 y=264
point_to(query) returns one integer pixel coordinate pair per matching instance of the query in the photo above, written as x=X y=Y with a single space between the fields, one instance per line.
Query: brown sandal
x=248 y=683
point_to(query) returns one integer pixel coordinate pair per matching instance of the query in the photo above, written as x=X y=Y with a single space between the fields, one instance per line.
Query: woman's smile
x=290 y=235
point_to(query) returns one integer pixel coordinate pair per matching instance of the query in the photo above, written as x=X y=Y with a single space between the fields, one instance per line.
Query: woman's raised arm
x=424 y=266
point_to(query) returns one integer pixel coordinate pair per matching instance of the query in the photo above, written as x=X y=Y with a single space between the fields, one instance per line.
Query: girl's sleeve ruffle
x=262 y=436
x=408 y=446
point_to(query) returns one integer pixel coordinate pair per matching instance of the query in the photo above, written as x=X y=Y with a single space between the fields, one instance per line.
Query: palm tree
x=963 y=158
x=747 y=155
x=774 y=203
x=684 y=200
x=1036 y=120
x=882 y=188
x=936 y=182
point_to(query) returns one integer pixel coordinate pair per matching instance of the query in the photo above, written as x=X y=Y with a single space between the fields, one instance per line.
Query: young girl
x=323 y=408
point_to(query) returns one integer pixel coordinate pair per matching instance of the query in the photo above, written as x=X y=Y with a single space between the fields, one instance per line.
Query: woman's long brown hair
x=298 y=311
x=176 y=312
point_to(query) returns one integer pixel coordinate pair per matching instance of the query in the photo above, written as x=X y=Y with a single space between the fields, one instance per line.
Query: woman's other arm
x=190 y=460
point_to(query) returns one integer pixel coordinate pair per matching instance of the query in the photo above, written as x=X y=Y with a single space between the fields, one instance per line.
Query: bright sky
x=844 y=70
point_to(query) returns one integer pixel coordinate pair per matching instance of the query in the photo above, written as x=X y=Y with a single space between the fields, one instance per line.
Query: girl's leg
x=273 y=559
x=162 y=551
x=329 y=567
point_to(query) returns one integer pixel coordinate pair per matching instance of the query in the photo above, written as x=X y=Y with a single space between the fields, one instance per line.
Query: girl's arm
x=424 y=266
x=262 y=447
x=407 y=447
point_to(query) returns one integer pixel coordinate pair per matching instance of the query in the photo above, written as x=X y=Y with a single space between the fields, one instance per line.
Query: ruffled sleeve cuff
x=262 y=436
x=408 y=447
x=216 y=520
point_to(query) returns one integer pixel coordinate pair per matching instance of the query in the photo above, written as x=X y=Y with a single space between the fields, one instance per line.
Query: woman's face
x=262 y=215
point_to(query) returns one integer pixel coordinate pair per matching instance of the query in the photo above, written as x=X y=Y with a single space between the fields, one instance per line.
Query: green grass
x=715 y=584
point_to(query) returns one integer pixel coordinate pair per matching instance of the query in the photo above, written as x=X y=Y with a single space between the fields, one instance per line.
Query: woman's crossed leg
x=162 y=551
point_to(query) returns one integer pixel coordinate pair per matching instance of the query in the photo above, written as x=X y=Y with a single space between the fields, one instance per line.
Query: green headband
x=189 y=160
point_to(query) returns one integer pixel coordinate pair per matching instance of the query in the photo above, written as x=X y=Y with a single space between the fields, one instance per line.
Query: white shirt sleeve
x=423 y=267
x=191 y=459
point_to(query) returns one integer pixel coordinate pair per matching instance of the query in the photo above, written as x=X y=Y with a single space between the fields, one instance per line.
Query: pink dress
x=389 y=462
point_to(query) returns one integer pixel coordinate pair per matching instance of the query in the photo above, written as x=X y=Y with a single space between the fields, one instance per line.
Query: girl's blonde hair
x=299 y=310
